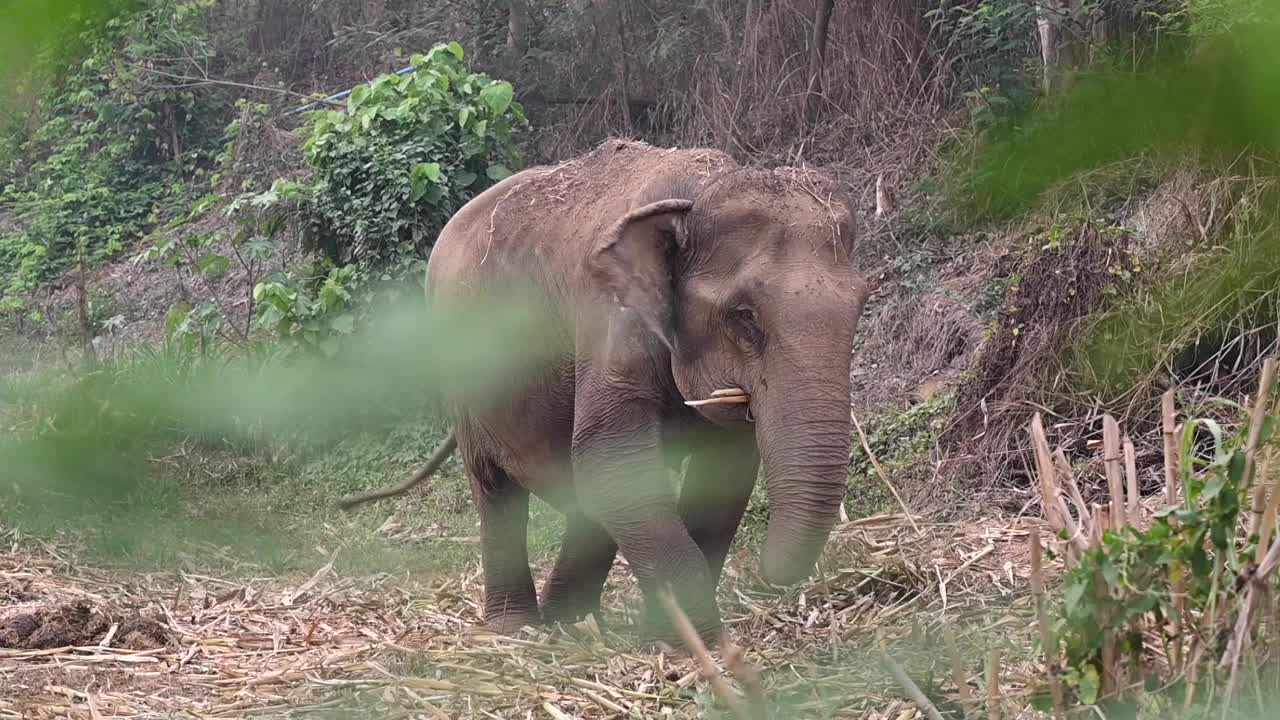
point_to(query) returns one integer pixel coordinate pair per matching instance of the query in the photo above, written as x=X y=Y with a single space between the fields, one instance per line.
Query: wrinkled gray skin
x=671 y=274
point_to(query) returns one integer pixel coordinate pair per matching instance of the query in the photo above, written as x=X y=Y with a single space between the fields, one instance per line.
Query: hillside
x=214 y=221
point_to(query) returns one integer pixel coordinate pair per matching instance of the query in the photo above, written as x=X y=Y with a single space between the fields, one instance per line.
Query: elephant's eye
x=743 y=324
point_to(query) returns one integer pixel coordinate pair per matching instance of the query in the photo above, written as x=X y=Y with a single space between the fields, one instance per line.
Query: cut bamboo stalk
x=1168 y=428
x=1268 y=524
x=1052 y=505
x=1177 y=584
x=1268 y=493
x=1111 y=460
x=1131 y=477
x=1101 y=521
x=1073 y=488
x=1135 y=520
x=1255 y=424
x=1044 y=470
x=957 y=669
x=993 y=684
x=1046 y=629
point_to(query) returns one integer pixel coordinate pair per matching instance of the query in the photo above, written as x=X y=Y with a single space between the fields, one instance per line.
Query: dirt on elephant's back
x=606 y=173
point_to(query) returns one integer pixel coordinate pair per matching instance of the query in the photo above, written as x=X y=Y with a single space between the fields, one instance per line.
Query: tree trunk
x=517 y=27
x=82 y=306
x=1048 y=30
x=1070 y=35
x=817 y=56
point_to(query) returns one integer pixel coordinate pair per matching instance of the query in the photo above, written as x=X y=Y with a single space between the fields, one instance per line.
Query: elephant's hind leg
x=510 y=600
x=586 y=556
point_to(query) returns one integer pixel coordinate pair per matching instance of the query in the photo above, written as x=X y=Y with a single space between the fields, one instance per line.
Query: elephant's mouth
x=725 y=405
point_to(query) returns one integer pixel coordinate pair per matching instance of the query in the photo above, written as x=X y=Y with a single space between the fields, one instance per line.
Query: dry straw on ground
x=374 y=645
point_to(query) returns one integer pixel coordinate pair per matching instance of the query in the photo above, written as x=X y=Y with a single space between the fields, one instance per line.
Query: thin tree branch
x=230 y=83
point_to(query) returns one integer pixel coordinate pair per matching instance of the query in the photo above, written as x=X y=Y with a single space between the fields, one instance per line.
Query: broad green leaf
x=1089 y=685
x=498 y=171
x=463 y=116
x=497 y=96
x=430 y=171
x=1042 y=700
x=455 y=48
x=1072 y=596
x=358 y=96
x=213 y=265
x=1213 y=487
x=174 y=319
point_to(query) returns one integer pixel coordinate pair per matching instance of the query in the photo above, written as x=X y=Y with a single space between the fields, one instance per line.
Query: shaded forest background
x=175 y=182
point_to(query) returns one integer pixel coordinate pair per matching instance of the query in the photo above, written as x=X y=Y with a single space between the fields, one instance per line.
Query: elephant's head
x=747 y=278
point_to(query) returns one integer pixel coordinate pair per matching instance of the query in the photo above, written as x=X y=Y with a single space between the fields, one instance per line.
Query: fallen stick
x=909 y=686
x=880 y=471
x=708 y=668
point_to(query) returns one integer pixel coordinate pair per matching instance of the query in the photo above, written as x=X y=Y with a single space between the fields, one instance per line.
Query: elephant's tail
x=441 y=454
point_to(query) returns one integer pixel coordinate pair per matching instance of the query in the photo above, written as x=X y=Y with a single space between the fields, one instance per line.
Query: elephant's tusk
x=727 y=396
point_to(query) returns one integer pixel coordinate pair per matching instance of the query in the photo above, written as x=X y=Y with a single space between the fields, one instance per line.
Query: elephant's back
x=537 y=225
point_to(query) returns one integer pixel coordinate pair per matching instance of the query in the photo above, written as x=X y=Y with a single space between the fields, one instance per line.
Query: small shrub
x=408 y=152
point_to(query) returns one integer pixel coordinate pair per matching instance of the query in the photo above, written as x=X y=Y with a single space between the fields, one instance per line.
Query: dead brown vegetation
x=378 y=645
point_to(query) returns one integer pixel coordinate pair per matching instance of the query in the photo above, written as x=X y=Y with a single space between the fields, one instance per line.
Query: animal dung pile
x=78 y=642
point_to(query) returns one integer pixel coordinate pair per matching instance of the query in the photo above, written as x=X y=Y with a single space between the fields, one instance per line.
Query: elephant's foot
x=658 y=628
x=568 y=613
x=508 y=623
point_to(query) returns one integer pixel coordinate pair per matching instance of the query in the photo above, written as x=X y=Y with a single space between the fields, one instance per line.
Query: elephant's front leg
x=717 y=487
x=586 y=556
x=622 y=485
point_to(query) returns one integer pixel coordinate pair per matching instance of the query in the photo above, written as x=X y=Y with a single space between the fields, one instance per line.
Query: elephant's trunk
x=803 y=430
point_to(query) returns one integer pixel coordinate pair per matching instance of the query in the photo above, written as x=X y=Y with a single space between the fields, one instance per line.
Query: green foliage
x=407 y=152
x=1131 y=574
x=1198 y=19
x=1220 y=103
x=992 y=41
x=78 y=448
x=1179 y=323
x=204 y=246
x=899 y=442
x=88 y=181
x=310 y=312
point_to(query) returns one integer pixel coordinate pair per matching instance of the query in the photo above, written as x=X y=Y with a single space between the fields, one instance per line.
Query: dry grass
x=376 y=645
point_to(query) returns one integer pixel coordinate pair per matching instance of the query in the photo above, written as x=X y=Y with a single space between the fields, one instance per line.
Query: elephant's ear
x=631 y=263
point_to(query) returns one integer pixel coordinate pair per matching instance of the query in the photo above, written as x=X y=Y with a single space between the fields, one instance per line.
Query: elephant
x=702 y=311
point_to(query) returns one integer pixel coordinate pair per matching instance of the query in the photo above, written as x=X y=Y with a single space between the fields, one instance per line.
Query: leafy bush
x=200 y=256
x=408 y=152
x=116 y=128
